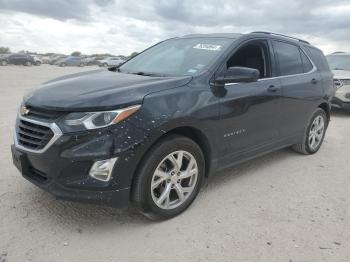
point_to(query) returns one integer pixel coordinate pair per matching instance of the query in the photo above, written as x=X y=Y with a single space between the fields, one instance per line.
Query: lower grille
x=33 y=135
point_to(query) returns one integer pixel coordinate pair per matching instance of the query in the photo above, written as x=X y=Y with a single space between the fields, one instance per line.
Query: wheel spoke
x=164 y=195
x=177 y=162
x=161 y=174
x=156 y=183
x=187 y=189
x=179 y=159
x=179 y=191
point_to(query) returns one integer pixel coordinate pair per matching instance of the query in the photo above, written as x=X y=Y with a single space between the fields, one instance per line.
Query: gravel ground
x=280 y=207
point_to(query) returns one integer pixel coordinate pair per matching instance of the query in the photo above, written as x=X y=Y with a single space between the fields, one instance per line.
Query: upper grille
x=33 y=136
x=39 y=113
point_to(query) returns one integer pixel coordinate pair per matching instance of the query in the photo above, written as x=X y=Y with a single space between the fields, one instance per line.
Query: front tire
x=314 y=135
x=169 y=178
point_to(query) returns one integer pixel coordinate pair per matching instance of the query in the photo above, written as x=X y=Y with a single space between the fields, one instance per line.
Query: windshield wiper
x=147 y=74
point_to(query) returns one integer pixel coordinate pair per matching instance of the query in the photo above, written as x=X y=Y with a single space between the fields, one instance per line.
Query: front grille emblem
x=24 y=111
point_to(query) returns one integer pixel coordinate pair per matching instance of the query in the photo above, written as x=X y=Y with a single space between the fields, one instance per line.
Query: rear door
x=301 y=87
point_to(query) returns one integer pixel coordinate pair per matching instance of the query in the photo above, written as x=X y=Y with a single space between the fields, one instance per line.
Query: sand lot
x=280 y=207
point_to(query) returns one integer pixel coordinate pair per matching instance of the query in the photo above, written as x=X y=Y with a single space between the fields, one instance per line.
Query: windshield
x=339 y=62
x=183 y=56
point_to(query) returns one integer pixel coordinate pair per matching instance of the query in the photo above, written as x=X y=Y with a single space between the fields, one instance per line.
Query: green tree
x=4 y=50
x=133 y=54
x=76 y=53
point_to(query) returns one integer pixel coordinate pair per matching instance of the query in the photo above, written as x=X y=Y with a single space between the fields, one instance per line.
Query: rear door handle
x=314 y=81
x=273 y=88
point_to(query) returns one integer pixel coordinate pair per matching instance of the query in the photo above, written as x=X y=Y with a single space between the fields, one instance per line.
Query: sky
x=122 y=27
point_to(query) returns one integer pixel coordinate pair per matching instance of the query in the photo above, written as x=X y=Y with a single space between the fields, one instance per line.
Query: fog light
x=102 y=170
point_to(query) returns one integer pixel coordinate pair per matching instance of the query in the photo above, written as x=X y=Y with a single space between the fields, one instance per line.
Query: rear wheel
x=314 y=134
x=169 y=178
x=37 y=63
x=4 y=63
x=28 y=63
x=62 y=64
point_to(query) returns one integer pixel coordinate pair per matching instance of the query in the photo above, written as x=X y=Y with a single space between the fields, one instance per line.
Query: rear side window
x=318 y=58
x=288 y=58
x=306 y=62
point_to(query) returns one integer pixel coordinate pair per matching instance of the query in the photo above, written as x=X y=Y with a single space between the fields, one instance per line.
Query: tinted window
x=306 y=62
x=319 y=59
x=181 y=56
x=288 y=58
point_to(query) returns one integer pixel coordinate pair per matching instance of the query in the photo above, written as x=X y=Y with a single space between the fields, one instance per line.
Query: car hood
x=341 y=74
x=98 y=90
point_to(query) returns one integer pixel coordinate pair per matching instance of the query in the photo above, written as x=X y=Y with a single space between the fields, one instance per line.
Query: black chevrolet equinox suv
x=149 y=131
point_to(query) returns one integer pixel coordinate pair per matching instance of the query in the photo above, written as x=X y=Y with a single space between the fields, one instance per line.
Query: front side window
x=253 y=55
x=288 y=58
x=182 y=56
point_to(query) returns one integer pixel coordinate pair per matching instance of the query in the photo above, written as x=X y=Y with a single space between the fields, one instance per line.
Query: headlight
x=93 y=120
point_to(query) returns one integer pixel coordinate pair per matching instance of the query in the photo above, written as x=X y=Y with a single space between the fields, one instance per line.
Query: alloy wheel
x=316 y=132
x=174 y=180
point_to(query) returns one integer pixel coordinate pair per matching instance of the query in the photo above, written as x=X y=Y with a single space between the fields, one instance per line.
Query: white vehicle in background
x=111 y=61
x=339 y=62
x=37 y=60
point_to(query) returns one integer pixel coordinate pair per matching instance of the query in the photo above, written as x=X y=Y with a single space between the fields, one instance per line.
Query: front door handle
x=273 y=88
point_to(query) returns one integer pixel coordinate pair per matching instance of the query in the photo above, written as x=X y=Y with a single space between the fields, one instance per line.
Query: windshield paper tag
x=208 y=47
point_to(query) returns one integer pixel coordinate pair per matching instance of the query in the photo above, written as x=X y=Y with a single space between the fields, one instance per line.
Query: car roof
x=270 y=35
x=218 y=35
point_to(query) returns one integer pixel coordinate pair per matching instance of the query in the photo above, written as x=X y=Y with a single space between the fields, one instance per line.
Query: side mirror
x=238 y=75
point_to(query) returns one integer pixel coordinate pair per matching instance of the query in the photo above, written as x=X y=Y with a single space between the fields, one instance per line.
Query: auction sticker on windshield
x=208 y=47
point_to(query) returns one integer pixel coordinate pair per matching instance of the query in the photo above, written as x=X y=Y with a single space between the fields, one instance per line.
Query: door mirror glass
x=239 y=75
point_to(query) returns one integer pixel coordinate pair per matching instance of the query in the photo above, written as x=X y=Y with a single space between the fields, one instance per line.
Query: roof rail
x=338 y=53
x=270 y=33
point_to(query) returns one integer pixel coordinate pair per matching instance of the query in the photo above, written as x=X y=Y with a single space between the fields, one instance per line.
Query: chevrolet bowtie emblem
x=24 y=111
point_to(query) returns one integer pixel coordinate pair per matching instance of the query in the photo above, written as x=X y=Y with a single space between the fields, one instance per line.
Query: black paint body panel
x=233 y=123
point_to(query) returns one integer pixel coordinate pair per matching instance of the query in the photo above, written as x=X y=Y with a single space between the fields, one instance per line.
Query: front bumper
x=336 y=102
x=62 y=169
x=112 y=197
x=342 y=96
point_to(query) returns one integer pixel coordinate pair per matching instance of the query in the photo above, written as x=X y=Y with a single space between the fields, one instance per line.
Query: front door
x=249 y=112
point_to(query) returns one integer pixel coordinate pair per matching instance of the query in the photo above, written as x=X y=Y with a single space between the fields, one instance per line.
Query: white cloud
x=121 y=27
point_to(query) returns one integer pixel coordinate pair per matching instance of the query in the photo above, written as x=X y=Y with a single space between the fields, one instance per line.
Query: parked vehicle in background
x=3 y=59
x=45 y=59
x=55 y=58
x=111 y=61
x=150 y=131
x=340 y=65
x=20 y=59
x=71 y=61
x=37 y=60
x=93 y=60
